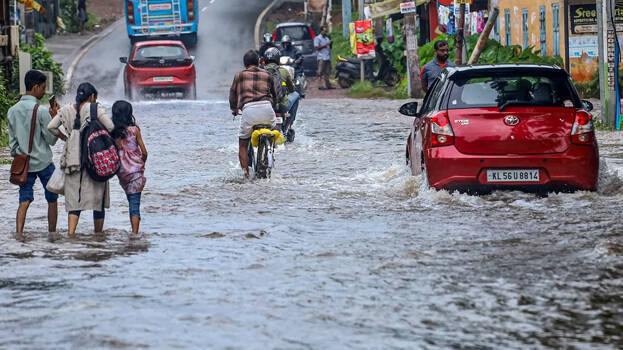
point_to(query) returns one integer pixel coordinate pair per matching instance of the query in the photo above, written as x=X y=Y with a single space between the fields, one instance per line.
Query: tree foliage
x=41 y=60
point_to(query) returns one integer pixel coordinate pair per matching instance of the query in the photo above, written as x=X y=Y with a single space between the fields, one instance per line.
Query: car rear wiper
x=515 y=103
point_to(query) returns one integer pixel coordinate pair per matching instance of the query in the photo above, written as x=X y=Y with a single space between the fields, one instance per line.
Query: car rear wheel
x=132 y=93
x=191 y=92
x=425 y=183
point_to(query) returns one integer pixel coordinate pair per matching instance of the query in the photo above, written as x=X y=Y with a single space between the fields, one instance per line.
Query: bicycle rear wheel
x=262 y=168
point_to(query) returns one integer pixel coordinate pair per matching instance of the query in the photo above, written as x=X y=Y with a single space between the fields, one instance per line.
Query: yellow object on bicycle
x=255 y=137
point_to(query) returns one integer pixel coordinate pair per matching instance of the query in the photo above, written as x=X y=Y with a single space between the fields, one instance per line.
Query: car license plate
x=160 y=7
x=279 y=120
x=513 y=175
x=163 y=79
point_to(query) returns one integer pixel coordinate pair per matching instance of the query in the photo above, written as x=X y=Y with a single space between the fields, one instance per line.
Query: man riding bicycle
x=291 y=101
x=253 y=93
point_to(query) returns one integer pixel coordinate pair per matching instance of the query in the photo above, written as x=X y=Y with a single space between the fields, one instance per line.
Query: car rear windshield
x=160 y=52
x=500 y=90
x=296 y=33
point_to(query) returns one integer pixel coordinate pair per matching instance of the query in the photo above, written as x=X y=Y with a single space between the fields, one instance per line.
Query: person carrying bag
x=21 y=162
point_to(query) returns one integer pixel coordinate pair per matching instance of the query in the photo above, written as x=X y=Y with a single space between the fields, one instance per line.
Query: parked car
x=508 y=126
x=159 y=68
x=302 y=36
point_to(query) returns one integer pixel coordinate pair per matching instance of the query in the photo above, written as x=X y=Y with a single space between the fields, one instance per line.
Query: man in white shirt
x=322 y=43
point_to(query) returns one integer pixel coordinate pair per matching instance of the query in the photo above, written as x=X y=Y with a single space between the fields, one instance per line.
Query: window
x=160 y=52
x=496 y=29
x=507 y=21
x=495 y=89
x=296 y=33
x=524 y=27
x=556 y=26
x=543 y=38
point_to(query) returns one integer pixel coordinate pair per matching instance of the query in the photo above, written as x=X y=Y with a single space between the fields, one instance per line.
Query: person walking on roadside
x=81 y=191
x=133 y=155
x=322 y=43
x=253 y=93
x=431 y=70
x=82 y=14
x=20 y=118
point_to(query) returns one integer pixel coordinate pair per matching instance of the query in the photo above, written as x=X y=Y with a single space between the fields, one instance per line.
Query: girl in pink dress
x=133 y=155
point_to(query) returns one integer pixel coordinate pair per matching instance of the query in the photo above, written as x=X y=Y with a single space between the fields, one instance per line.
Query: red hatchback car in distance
x=508 y=126
x=159 y=68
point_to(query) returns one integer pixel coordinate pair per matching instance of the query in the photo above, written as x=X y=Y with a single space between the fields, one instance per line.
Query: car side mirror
x=409 y=109
x=588 y=106
x=123 y=59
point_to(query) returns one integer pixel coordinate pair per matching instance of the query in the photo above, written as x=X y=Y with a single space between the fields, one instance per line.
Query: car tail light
x=190 y=7
x=441 y=131
x=275 y=35
x=583 y=131
x=313 y=34
x=130 y=7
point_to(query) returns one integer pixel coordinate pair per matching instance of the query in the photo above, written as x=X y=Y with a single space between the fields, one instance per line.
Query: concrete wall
x=516 y=8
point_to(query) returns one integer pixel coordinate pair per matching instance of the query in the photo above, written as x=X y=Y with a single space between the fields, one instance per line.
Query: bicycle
x=264 y=162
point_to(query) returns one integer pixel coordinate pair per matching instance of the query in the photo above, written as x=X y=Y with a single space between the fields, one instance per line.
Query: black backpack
x=98 y=153
x=280 y=87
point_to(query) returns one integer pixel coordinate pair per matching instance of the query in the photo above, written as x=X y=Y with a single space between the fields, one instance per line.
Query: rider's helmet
x=286 y=42
x=268 y=38
x=272 y=55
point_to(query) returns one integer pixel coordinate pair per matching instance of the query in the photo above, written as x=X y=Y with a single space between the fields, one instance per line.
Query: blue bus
x=147 y=19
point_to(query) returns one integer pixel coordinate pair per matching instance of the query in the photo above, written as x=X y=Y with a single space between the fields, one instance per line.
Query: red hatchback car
x=508 y=126
x=159 y=68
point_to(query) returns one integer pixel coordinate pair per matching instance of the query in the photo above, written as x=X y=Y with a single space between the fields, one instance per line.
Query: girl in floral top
x=133 y=155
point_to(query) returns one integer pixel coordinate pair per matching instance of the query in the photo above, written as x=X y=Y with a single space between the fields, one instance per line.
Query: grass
x=603 y=127
x=5 y=161
x=367 y=90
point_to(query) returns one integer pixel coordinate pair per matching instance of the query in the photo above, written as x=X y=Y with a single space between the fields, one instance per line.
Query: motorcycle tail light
x=313 y=34
x=130 y=8
x=583 y=130
x=441 y=131
x=275 y=35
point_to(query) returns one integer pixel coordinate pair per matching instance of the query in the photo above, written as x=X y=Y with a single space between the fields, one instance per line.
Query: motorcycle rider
x=267 y=44
x=287 y=49
x=291 y=101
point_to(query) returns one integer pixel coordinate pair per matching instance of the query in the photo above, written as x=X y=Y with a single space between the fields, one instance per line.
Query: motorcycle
x=297 y=75
x=348 y=71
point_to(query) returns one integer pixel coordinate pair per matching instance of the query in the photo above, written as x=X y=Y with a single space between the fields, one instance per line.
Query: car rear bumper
x=577 y=168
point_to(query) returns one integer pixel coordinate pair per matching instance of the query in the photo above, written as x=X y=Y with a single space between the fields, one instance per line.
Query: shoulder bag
x=19 y=167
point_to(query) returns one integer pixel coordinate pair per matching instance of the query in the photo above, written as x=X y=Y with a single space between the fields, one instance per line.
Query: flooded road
x=342 y=248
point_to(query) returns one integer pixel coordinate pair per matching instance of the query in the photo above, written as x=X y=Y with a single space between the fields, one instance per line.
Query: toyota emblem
x=511 y=120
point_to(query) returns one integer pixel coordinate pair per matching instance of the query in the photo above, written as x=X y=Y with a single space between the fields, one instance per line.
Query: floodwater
x=341 y=249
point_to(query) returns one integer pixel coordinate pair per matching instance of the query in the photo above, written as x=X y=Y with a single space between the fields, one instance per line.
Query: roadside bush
x=7 y=99
x=41 y=60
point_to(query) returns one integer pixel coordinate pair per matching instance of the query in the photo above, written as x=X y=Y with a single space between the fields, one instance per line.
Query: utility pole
x=460 y=36
x=413 y=56
x=603 y=78
x=347 y=15
x=482 y=40
x=362 y=68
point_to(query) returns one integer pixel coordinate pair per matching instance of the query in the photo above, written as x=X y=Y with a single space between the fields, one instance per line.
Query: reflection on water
x=342 y=248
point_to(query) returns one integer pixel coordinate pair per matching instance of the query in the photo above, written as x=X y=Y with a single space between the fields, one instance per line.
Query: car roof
x=292 y=24
x=486 y=69
x=159 y=43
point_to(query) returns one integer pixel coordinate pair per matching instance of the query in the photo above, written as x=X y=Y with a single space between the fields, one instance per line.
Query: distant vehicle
x=302 y=36
x=505 y=126
x=159 y=68
x=147 y=19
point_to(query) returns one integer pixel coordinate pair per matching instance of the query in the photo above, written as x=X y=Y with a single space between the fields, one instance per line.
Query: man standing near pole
x=431 y=70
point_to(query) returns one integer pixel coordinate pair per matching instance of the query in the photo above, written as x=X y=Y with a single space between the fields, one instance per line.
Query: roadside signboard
x=584 y=18
x=364 y=39
x=407 y=7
